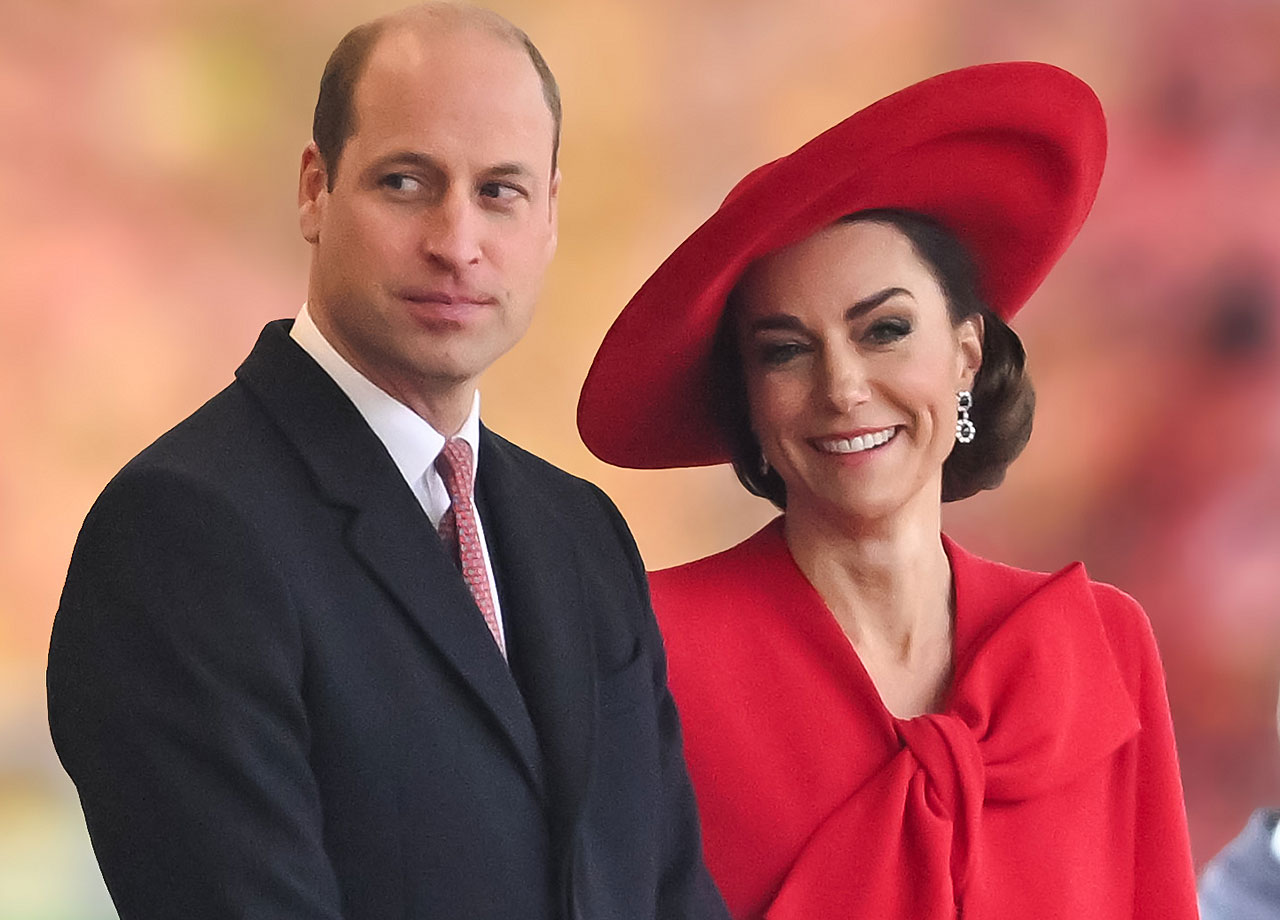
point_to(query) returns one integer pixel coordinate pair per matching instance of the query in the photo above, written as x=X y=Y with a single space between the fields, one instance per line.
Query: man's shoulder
x=213 y=442
x=514 y=453
x=575 y=506
x=545 y=474
x=229 y=458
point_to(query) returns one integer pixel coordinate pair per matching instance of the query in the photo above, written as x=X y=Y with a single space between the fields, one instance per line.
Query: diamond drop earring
x=966 y=431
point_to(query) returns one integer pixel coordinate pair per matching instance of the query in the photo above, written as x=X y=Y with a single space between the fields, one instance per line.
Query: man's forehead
x=461 y=63
x=470 y=100
x=415 y=44
x=442 y=15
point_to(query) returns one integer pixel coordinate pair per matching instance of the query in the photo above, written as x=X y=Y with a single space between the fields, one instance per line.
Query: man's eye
x=399 y=182
x=501 y=191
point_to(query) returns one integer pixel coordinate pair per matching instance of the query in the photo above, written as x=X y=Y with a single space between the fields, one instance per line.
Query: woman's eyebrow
x=867 y=304
x=781 y=322
x=785 y=322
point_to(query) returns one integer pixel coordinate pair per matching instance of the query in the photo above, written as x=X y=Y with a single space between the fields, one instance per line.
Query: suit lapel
x=387 y=530
x=546 y=616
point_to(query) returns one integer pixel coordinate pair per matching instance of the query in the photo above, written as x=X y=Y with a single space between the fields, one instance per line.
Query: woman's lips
x=854 y=443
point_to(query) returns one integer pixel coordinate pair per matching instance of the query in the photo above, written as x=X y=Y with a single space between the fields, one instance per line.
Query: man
x=280 y=690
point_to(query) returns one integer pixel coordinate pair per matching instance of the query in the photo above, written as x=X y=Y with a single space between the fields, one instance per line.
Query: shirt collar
x=412 y=442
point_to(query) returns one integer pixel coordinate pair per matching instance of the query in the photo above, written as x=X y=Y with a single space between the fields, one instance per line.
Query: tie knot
x=454 y=466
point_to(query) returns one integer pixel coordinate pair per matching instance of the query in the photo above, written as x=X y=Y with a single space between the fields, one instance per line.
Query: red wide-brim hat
x=1006 y=156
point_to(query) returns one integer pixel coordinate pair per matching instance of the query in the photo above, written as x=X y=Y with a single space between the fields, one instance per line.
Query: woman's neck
x=888 y=584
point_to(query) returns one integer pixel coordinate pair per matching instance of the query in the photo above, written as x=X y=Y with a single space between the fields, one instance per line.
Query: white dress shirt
x=413 y=444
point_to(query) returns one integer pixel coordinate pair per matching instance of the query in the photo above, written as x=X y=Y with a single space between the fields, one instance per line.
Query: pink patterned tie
x=459 y=533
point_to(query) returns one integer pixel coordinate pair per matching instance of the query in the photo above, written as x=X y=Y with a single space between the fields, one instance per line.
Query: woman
x=878 y=723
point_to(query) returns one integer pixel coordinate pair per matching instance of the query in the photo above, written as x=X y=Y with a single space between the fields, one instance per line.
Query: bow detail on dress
x=1037 y=700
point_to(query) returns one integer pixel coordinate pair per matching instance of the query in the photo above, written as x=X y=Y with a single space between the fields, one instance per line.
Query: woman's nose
x=846 y=382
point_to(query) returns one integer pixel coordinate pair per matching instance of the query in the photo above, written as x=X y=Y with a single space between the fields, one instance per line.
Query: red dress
x=1047 y=788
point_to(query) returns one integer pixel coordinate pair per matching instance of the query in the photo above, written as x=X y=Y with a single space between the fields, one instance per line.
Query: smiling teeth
x=860 y=443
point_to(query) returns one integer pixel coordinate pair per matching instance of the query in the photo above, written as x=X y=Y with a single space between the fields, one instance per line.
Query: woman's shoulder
x=1128 y=627
x=1069 y=592
x=727 y=570
x=755 y=581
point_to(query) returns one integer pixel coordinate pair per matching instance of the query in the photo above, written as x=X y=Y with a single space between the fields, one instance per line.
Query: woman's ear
x=969 y=337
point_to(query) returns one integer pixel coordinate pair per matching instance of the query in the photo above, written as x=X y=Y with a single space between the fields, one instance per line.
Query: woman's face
x=852 y=366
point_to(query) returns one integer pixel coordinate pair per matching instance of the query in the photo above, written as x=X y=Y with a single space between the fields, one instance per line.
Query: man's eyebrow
x=426 y=163
x=406 y=158
x=505 y=170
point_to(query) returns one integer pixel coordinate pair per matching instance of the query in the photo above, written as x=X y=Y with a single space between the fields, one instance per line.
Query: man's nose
x=453 y=232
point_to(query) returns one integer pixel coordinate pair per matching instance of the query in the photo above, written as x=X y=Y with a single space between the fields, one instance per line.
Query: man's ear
x=313 y=193
x=553 y=213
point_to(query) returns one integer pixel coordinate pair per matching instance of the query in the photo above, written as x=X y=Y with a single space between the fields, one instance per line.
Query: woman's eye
x=399 y=182
x=890 y=329
x=777 y=353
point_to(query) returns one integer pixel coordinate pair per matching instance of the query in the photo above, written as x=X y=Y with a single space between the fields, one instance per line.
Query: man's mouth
x=445 y=297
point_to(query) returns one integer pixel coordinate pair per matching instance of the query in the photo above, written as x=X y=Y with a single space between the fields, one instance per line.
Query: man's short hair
x=335 y=116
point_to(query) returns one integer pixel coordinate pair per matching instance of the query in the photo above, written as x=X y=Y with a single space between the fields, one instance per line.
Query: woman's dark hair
x=1003 y=398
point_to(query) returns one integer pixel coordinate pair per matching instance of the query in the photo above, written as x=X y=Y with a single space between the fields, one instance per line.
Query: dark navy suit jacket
x=278 y=700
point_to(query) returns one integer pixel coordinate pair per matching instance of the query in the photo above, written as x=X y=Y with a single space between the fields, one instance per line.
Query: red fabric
x=1007 y=156
x=459 y=532
x=1047 y=788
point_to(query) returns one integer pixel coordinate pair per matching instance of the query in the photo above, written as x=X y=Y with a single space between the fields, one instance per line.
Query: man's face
x=429 y=251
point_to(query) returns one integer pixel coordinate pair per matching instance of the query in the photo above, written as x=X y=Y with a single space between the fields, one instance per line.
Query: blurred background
x=148 y=162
